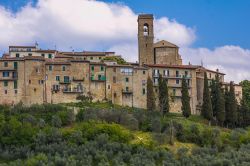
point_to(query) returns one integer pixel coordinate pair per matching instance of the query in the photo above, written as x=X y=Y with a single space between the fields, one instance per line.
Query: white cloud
x=83 y=24
x=232 y=60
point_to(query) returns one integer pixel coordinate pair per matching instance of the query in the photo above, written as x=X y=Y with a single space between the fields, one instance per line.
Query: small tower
x=146 y=38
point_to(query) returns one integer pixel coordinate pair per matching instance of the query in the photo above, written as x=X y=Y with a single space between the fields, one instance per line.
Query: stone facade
x=31 y=75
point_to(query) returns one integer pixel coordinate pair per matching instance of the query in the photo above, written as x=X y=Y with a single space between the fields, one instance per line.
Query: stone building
x=31 y=75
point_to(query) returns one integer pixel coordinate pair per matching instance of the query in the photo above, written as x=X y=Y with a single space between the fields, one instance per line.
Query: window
x=15 y=84
x=91 y=58
x=15 y=91
x=57 y=78
x=186 y=73
x=127 y=71
x=177 y=81
x=168 y=72
x=108 y=86
x=144 y=72
x=156 y=81
x=14 y=75
x=145 y=29
x=66 y=79
x=143 y=91
x=40 y=82
x=5 y=64
x=6 y=74
x=210 y=75
x=29 y=81
x=5 y=83
x=102 y=68
x=92 y=68
x=127 y=79
x=99 y=77
x=17 y=55
x=15 y=65
x=43 y=55
x=6 y=92
x=30 y=54
x=174 y=92
x=156 y=72
x=37 y=70
x=127 y=89
x=114 y=79
x=63 y=68
x=177 y=73
x=114 y=69
x=50 y=56
x=100 y=58
x=114 y=95
x=50 y=67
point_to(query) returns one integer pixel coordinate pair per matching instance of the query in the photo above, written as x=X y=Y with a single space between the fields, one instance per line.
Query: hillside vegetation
x=106 y=134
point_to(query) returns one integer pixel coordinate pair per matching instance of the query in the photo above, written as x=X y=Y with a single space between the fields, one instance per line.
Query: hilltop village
x=31 y=75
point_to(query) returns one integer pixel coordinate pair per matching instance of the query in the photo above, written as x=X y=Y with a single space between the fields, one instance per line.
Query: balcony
x=72 y=90
x=177 y=76
x=8 y=69
x=78 y=79
x=126 y=91
x=10 y=78
x=101 y=78
x=65 y=82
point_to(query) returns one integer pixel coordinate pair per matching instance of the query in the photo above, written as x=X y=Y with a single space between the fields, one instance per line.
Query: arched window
x=145 y=30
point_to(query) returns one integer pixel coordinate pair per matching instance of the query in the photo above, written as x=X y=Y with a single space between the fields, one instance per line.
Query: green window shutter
x=15 y=65
x=57 y=78
x=50 y=56
x=15 y=84
x=92 y=68
x=5 y=83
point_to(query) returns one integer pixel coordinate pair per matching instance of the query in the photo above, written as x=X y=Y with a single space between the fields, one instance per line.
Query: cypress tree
x=163 y=96
x=220 y=115
x=185 y=99
x=206 y=111
x=213 y=97
x=232 y=107
x=150 y=95
x=218 y=100
x=227 y=105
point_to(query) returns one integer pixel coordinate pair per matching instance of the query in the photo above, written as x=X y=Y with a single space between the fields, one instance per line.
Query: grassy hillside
x=106 y=134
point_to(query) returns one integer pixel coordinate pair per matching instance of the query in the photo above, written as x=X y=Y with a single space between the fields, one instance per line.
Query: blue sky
x=217 y=22
x=215 y=32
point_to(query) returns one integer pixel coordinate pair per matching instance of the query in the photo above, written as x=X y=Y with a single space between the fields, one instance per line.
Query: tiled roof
x=46 y=51
x=84 y=53
x=215 y=71
x=57 y=63
x=164 y=43
x=173 y=66
x=146 y=16
x=22 y=46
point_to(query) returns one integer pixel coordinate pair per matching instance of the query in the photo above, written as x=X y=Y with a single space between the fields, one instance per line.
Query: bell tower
x=146 y=38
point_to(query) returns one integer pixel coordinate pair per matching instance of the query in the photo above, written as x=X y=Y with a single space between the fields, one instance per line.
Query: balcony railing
x=177 y=76
x=65 y=82
x=102 y=78
x=72 y=90
x=126 y=91
x=78 y=79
